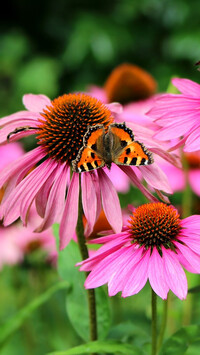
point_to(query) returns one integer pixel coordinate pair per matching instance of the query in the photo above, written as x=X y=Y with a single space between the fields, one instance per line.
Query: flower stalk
x=84 y=254
x=154 y=323
x=163 y=324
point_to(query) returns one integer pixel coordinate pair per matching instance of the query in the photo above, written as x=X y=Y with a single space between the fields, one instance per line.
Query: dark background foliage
x=52 y=47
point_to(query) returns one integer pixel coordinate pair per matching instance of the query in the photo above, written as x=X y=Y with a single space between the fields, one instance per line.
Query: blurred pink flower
x=42 y=175
x=178 y=115
x=179 y=177
x=17 y=241
x=154 y=246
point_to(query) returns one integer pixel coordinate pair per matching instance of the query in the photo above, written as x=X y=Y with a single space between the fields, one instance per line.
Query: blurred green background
x=53 y=47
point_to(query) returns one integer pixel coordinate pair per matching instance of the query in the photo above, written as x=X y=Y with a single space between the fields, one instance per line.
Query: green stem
x=154 y=323
x=164 y=323
x=84 y=255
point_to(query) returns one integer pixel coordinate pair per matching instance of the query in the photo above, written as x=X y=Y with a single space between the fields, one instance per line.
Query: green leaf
x=18 y=319
x=76 y=301
x=109 y=347
x=180 y=342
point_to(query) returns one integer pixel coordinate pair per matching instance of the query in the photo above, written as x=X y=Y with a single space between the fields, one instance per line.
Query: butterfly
x=116 y=146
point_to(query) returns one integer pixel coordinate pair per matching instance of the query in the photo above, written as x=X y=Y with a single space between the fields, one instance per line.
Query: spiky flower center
x=128 y=83
x=155 y=225
x=65 y=122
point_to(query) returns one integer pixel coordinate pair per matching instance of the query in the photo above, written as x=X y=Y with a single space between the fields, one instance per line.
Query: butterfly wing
x=90 y=156
x=125 y=150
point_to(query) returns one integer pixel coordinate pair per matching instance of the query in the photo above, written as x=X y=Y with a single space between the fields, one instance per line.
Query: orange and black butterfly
x=116 y=146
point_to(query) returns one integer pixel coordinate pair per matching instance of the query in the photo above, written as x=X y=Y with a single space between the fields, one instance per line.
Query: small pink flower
x=154 y=246
x=178 y=115
x=42 y=176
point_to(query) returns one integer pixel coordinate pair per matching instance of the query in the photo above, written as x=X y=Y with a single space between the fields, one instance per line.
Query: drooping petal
x=102 y=272
x=156 y=275
x=56 y=200
x=110 y=201
x=129 y=171
x=70 y=214
x=190 y=256
x=193 y=140
x=137 y=277
x=174 y=274
x=126 y=262
x=89 y=201
x=36 y=103
x=155 y=177
x=26 y=161
x=21 y=198
x=105 y=250
x=43 y=194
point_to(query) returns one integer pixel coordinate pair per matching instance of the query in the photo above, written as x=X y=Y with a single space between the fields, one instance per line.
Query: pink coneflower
x=42 y=175
x=153 y=246
x=178 y=115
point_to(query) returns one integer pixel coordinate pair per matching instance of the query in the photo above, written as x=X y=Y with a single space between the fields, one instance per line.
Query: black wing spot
x=128 y=150
x=125 y=160
x=143 y=161
x=90 y=167
x=82 y=168
x=133 y=161
x=92 y=155
x=96 y=164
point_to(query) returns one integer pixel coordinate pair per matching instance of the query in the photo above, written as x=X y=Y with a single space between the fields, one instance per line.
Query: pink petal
x=192 y=243
x=155 y=177
x=20 y=199
x=194 y=178
x=129 y=258
x=185 y=263
x=175 y=176
x=110 y=201
x=101 y=253
x=156 y=275
x=36 y=103
x=26 y=161
x=174 y=274
x=115 y=107
x=131 y=174
x=187 y=87
x=102 y=272
x=137 y=278
x=192 y=258
x=193 y=141
x=4 y=132
x=119 y=179
x=70 y=214
x=191 y=222
x=56 y=199
x=89 y=201
x=43 y=194
x=95 y=180
x=175 y=130
x=19 y=116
